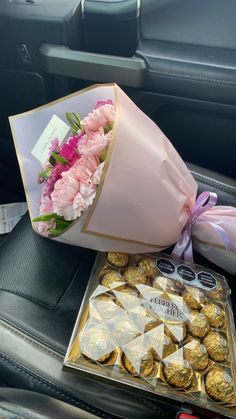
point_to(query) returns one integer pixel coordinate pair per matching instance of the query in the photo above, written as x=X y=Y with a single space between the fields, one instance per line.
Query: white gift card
x=56 y=128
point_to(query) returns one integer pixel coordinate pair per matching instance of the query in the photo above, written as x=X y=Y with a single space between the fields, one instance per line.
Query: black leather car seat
x=22 y=404
x=41 y=287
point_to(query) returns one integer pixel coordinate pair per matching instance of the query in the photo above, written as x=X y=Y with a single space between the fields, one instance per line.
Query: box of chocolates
x=159 y=325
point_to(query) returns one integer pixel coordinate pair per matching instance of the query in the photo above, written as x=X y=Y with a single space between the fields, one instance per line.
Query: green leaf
x=45 y=173
x=46 y=217
x=59 y=159
x=103 y=155
x=62 y=224
x=56 y=231
x=52 y=161
x=74 y=121
x=108 y=127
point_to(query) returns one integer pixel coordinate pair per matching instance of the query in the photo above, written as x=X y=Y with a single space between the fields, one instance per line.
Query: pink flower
x=43 y=227
x=97 y=174
x=93 y=142
x=68 y=151
x=74 y=192
x=54 y=146
x=45 y=205
x=103 y=102
x=100 y=117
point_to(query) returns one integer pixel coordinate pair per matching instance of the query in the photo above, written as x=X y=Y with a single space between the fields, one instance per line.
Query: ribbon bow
x=184 y=247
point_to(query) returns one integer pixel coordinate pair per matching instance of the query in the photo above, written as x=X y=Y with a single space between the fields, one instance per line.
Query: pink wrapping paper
x=146 y=193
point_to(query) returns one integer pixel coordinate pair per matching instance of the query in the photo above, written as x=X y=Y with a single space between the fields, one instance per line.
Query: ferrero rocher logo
x=167 y=309
x=167 y=306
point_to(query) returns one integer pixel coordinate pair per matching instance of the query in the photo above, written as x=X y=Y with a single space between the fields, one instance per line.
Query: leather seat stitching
x=214 y=183
x=31 y=340
x=60 y=357
x=52 y=386
x=27 y=297
x=5 y=409
x=191 y=77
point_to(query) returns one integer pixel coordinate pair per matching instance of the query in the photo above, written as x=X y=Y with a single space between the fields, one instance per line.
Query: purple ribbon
x=184 y=247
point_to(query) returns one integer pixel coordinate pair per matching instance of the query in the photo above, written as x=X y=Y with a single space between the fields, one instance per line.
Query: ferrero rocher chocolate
x=148 y=266
x=194 y=298
x=214 y=314
x=162 y=347
x=111 y=279
x=117 y=259
x=219 y=385
x=176 y=333
x=124 y=331
x=134 y=277
x=178 y=374
x=94 y=344
x=102 y=307
x=139 y=362
x=151 y=321
x=127 y=294
x=216 y=346
x=164 y=284
x=216 y=293
x=196 y=355
x=198 y=325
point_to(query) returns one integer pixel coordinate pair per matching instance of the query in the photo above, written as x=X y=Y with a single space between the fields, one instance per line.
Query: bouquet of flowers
x=113 y=182
x=73 y=170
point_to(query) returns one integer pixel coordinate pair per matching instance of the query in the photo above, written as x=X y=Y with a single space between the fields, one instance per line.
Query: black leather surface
x=211 y=181
x=42 y=284
x=45 y=270
x=192 y=71
x=189 y=48
x=18 y=404
x=205 y=22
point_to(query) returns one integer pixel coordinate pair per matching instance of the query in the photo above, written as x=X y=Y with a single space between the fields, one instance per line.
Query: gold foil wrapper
x=198 y=325
x=127 y=295
x=139 y=362
x=162 y=346
x=148 y=266
x=219 y=385
x=196 y=355
x=176 y=333
x=151 y=322
x=214 y=314
x=165 y=284
x=178 y=374
x=124 y=331
x=114 y=358
x=117 y=259
x=112 y=280
x=94 y=342
x=216 y=293
x=194 y=298
x=216 y=346
x=102 y=308
x=134 y=277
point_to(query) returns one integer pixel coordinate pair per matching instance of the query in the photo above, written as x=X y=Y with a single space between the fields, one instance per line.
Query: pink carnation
x=93 y=142
x=103 y=102
x=100 y=117
x=68 y=151
x=45 y=205
x=45 y=208
x=75 y=191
